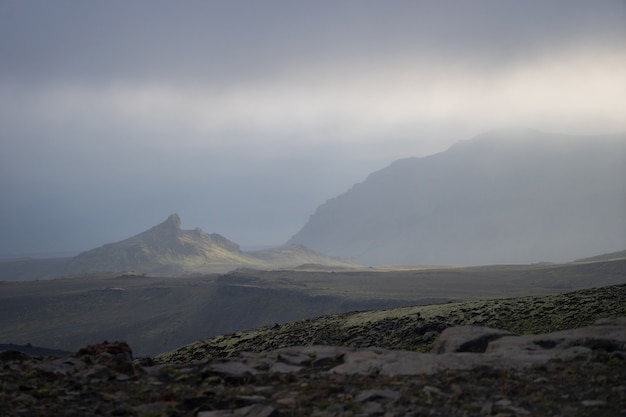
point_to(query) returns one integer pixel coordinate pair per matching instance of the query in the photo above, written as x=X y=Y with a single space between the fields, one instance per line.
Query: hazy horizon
x=243 y=117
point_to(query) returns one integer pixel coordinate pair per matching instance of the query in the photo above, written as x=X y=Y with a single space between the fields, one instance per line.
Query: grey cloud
x=244 y=116
x=221 y=41
x=60 y=197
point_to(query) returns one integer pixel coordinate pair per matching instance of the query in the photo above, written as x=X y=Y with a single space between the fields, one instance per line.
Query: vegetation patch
x=415 y=328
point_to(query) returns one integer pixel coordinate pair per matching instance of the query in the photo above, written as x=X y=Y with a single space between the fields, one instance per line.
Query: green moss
x=407 y=328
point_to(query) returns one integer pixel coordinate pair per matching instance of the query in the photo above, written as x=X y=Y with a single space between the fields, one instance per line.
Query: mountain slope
x=605 y=257
x=164 y=249
x=155 y=314
x=507 y=196
x=415 y=327
x=298 y=256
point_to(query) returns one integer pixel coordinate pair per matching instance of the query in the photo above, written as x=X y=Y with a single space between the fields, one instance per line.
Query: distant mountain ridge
x=605 y=257
x=164 y=249
x=167 y=250
x=507 y=196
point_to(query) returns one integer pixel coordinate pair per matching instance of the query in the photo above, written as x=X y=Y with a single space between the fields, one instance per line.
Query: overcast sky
x=244 y=116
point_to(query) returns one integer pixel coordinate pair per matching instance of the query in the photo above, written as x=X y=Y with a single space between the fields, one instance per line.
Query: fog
x=243 y=117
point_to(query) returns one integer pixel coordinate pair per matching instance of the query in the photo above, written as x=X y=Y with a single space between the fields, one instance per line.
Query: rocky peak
x=163 y=233
x=172 y=221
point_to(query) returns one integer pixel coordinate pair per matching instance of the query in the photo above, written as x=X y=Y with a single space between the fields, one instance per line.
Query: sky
x=244 y=116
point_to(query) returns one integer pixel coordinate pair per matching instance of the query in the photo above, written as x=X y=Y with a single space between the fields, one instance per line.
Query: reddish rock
x=112 y=348
x=117 y=356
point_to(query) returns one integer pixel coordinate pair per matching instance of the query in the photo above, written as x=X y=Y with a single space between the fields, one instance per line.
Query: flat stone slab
x=462 y=347
x=473 y=339
x=232 y=368
x=607 y=334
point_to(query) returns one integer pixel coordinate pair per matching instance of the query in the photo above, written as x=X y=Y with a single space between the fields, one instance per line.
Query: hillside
x=415 y=328
x=291 y=256
x=605 y=257
x=471 y=371
x=507 y=196
x=165 y=249
x=156 y=314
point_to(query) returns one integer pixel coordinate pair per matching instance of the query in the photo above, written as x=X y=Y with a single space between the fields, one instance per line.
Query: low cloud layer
x=244 y=116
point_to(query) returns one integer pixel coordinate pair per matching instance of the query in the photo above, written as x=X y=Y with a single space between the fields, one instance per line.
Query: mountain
x=167 y=250
x=506 y=196
x=164 y=249
x=300 y=256
x=605 y=257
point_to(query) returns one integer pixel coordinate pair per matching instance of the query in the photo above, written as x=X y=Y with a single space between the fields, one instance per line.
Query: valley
x=156 y=314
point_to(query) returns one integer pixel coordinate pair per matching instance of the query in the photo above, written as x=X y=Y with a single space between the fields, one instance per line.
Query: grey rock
x=306 y=355
x=506 y=352
x=376 y=394
x=593 y=403
x=573 y=353
x=256 y=410
x=371 y=408
x=284 y=368
x=99 y=373
x=232 y=368
x=250 y=399
x=434 y=390
x=519 y=411
x=395 y=362
x=467 y=339
x=428 y=336
x=158 y=408
x=487 y=408
x=61 y=366
x=358 y=361
x=88 y=386
x=503 y=403
x=604 y=336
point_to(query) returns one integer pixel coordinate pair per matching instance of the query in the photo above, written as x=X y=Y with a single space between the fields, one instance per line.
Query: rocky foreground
x=472 y=371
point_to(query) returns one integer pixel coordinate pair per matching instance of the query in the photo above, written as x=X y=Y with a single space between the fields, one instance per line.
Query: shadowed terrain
x=156 y=314
x=415 y=328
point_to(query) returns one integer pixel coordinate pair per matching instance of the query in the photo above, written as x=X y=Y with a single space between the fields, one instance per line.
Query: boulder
x=117 y=356
x=472 y=339
x=607 y=334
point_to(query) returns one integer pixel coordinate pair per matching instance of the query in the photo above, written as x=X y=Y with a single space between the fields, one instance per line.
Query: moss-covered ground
x=415 y=328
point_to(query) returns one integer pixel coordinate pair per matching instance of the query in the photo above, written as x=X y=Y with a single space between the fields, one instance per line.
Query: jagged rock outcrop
x=168 y=250
x=164 y=249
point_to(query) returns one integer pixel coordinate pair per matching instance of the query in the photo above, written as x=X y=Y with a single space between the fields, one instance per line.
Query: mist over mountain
x=506 y=196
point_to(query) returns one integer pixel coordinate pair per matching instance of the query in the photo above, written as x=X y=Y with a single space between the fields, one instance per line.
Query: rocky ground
x=472 y=372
